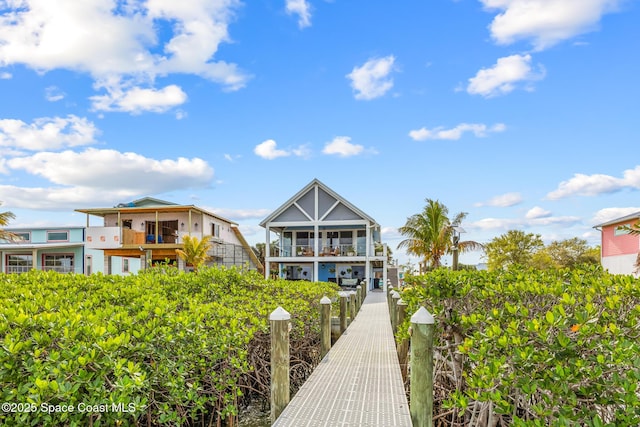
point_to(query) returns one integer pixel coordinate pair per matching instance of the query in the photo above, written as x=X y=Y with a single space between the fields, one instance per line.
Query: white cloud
x=268 y=150
x=53 y=94
x=478 y=129
x=342 y=147
x=113 y=170
x=537 y=212
x=504 y=76
x=503 y=200
x=372 y=80
x=5 y=76
x=302 y=8
x=60 y=198
x=545 y=22
x=137 y=100
x=47 y=133
x=608 y=214
x=125 y=45
x=96 y=177
x=592 y=185
x=518 y=223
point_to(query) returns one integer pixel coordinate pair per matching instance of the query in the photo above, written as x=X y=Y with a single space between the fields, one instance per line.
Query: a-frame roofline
x=626 y=218
x=316 y=182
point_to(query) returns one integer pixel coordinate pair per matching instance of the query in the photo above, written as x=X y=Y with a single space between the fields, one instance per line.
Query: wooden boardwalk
x=358 y=383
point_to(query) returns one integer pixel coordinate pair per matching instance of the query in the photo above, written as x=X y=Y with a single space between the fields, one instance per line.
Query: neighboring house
x=148 y=231
x=52 y=248
x=619 y=248
x=323 y=237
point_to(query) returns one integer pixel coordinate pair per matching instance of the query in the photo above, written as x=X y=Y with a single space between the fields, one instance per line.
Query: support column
x=279 y=322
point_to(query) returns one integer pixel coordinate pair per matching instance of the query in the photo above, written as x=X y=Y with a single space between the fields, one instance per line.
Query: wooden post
x=395 y=297
x=279 y=322
x=364 y=290
x=403 y=346
x=343 y=311
x=352 y=305
x=359 y=297
x=389 y=290
x=422 y=330
x=325 y=326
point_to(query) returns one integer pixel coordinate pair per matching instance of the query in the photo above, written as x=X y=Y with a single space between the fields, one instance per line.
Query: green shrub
x=159 y=348
x=533 y=348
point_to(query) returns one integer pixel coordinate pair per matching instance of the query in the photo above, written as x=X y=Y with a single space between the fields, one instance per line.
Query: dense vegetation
x=533 y=348
x=158 y=348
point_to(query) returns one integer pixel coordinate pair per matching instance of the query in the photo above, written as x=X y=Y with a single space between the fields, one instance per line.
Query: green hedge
x=158 y=348
x=533 y=348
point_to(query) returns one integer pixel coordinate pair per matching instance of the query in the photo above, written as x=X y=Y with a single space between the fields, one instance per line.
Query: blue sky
x=522 y=113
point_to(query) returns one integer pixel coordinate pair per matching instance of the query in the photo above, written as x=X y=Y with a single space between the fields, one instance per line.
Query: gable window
x=19 y=263
x=620 y=231
x=62 y=263
x=57 y=236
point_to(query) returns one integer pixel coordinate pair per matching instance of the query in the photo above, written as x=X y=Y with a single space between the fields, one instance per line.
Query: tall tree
x=429 y=234
x=512 y=248
x=194 y=251
x=5 y=218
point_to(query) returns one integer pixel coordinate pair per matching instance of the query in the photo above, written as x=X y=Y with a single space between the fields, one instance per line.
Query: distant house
x=148 y=231
x=323 y=237
x=51 y=248
x=619 y=248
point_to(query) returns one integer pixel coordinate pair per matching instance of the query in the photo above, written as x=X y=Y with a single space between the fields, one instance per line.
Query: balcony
x=344 y=250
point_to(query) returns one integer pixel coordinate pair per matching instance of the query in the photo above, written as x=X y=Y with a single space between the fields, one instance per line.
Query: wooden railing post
x=421 y=398
x=325 y=326
x=358 y=297
x=403 y=346
x=364 y=289
x=389 y=290
x=352 y=305
x=343 y=311
x=279 y=322
x=395 y=297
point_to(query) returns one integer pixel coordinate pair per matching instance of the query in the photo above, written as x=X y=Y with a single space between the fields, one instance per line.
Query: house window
x=57 y=236
x=215 y=230
x=19 y=263
x=62 y=263
x=23 y=236
x=125 y=265
x=304 y=238
x=620 y=231
x=346 y=237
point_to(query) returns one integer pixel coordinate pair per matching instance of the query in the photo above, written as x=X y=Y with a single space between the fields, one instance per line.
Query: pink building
x=620 y=250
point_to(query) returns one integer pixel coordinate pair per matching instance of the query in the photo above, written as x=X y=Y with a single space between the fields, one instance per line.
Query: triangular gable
x=291 y=214
x=331 y=207
x=342 y=213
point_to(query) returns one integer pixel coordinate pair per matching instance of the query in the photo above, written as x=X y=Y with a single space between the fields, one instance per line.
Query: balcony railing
x=347 y=250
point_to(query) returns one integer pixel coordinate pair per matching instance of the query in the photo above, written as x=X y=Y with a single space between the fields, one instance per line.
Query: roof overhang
x=627 y=218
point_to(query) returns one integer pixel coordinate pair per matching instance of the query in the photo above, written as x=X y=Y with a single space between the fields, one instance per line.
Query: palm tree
x=5 y=217
x=429 y=234
x=194 y=251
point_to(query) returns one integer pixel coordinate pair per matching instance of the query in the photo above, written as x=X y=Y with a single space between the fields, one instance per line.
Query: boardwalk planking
x=358 y=383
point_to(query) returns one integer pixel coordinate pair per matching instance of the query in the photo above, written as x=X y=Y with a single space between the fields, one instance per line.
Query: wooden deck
x=358 y=383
